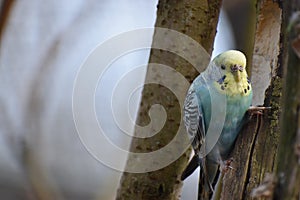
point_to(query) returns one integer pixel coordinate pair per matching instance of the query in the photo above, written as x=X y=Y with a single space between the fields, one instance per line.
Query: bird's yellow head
x=232 y=65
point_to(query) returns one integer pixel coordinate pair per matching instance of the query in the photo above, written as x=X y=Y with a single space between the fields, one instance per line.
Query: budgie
x=215 y=107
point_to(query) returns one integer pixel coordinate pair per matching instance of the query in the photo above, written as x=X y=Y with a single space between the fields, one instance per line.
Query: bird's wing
x=194 y=119
x=194 y=122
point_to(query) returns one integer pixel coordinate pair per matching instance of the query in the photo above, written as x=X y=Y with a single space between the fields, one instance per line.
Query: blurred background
x=42 y=46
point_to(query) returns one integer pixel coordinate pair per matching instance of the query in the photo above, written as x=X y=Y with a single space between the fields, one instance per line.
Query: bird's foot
x=257 y=110
x=225 y=165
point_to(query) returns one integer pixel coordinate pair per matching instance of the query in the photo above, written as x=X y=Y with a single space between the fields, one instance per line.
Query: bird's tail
x=205 y=188
x=208 y=172
x=207 y=179
x=191 y=167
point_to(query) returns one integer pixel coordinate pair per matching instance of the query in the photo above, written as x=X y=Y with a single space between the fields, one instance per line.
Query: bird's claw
x=257 y=110
x=225 y=165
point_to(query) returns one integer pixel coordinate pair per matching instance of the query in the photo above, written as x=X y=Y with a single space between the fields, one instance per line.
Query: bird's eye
x=223 y=67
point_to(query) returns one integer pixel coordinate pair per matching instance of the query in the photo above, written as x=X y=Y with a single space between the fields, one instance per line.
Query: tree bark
x=288 y=159
x=198 y=20
x=255 y=150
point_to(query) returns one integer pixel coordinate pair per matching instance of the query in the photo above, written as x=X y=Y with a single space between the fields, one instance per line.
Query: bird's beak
x=236 y=71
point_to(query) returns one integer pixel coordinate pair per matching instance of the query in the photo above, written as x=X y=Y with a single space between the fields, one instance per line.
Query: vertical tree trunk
x=255 y=150
x=198 y=20
x=288 y=171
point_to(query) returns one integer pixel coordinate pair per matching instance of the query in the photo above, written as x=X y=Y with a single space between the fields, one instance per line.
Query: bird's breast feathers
x=229 y=86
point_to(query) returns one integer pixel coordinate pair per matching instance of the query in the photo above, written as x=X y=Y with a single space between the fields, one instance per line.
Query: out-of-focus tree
x=241 y=14
x=43 y=44
x=288 y=157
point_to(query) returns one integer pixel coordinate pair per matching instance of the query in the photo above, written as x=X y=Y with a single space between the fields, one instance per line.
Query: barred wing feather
x=193 y=119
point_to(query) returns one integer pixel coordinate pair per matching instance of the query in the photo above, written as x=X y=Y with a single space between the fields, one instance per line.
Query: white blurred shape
x=42 y=48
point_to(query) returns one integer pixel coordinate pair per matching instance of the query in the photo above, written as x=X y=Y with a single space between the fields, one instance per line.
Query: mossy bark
x=288 y=159
x=255 y=150
x=198 y=20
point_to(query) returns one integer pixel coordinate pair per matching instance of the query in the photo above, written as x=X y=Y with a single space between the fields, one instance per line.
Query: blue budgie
x=214 y=113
